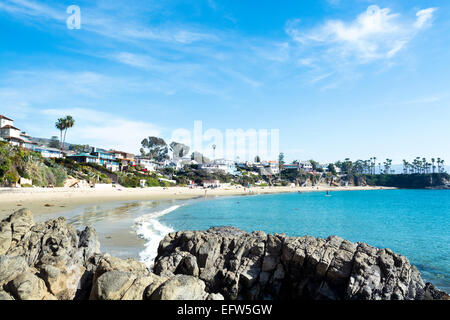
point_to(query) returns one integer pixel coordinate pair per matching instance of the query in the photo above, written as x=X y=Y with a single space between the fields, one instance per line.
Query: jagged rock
x=27 y=286
x=112 y=285
x=52 y=260
x=21 y=222
x=5 y=296
x=241 y=265
x=143 y=286
x=14 y=228
x=11 y=267
x=88 y=243
x=62 y=281
x=180 y=263
x=117 y=279
x=108 y=263
x=181 y=287
x=157 y=282
x=52 y=250
x=5 y=236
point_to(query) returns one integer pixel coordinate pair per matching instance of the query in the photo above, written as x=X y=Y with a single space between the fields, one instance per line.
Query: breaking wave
x=149 y=228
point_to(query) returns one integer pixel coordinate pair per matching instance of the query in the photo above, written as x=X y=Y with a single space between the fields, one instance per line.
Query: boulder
x=181 y=287
x=11 y=267
x=53 y=251
x=28 y=286
x=5 y=296
x=112 y=285
x=5 y=236
x=62 y=281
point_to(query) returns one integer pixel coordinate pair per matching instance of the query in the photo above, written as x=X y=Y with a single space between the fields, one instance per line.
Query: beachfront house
x=146 y=163
x=269 y=168
x=124 y=159
x=226 y=166
x=100 y=157
x=307 y=166
x=28 y=143
x=12 y=134
x=291 y=166
x=211 y=183
x=47 y=152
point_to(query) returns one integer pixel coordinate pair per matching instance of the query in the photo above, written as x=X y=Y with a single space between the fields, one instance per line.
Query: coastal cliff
x=53 y=261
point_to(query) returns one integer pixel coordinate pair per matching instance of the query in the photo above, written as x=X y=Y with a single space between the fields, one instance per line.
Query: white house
x=47 y=152
x=269 y=168
x=306 y=165
x=227 y=166
x=10 y=133
x=4 y=121
x=146 y=163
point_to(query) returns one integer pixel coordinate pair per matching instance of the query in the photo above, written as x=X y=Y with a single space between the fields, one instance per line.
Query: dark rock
x=52 y=260
x=241 y=265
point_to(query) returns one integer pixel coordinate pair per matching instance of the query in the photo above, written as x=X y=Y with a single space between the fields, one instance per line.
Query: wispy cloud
x=375 y=34
x=32 y=9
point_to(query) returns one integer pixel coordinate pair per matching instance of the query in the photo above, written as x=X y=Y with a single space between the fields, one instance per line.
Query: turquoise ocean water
x=414 y=223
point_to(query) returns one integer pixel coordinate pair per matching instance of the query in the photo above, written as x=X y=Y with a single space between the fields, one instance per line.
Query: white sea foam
x=149 y=228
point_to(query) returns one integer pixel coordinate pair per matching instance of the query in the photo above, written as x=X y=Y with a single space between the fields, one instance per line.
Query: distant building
x=226 y=166
x=47 y=152
x=307 y=166
x=4 y=121
x=103 y=158
x=146 y=163
x=179 y=163
x=292 y=166
x=12 y=134
x=269 y=168
x=28 y=144
x=124 y=159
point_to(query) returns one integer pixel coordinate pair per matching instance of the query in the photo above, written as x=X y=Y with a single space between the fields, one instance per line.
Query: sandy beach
x=47 y=200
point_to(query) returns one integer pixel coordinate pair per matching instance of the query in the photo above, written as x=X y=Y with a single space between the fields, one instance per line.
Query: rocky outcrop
x=48 y=260
x=51 y=260
x=242 y=265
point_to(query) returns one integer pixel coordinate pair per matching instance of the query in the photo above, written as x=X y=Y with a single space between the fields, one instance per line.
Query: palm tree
x=214 y=151
x=374 y=164
x=69 y=123
x=405 y=166
x=433 y=166
x=61 y=126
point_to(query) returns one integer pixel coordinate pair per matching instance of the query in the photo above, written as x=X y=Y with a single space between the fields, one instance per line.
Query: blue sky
x=353 y=78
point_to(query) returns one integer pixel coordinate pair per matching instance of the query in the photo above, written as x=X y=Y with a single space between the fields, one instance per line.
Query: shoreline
x=45 y=200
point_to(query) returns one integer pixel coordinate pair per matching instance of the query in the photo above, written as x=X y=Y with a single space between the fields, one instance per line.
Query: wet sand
x=46 y=200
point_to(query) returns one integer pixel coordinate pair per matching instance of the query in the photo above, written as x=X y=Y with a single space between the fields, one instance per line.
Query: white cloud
x=105 y=130
x=121 y=27
x=424 y=17
x=375 y=34
x=32 y=9
x=321 y=77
